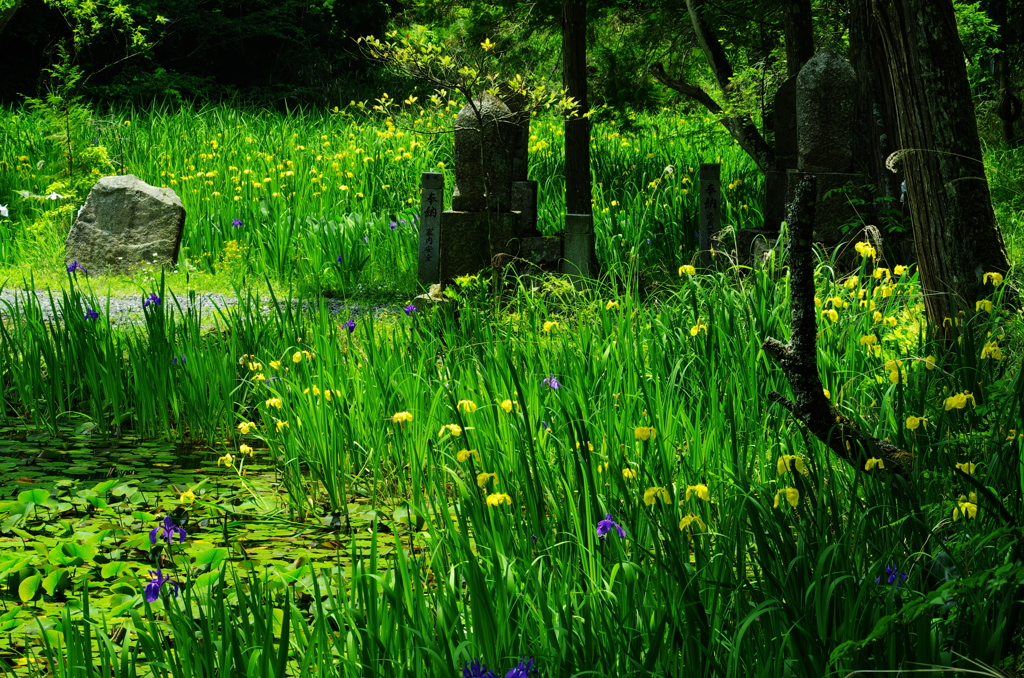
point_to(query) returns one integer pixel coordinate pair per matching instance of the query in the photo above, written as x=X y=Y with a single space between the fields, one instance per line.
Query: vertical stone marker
x=825 y=91
x=710 y=207
x=431 y=206
x=578 y=244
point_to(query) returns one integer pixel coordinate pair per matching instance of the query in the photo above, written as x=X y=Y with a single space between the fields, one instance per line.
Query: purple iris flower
x=393 y=225
x=544 y=425
x=607 y=525
x=552 y=382
x=351 y=325
x=166 y=530
x=152 y=590
x=892 y=575
x=174 y=360
x=341 y=258
x=410 y=309
x=75 y=266
x=90 y=314
x=477 y=669
x=524 y=669
x=237 y=223
x=151 y=299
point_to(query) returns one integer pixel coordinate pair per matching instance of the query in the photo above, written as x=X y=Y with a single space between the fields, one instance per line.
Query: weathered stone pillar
x=710 y=208
x=431 y=206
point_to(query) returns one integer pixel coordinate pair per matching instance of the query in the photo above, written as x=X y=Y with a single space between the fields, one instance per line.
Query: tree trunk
x=956 y=237
x=876 y=135
x=799 y=30
x=577 y=129
x=6 y=14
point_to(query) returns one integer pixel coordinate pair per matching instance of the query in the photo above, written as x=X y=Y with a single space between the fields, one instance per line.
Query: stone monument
x=493 y=215
x=126 y=223
x=825 y=90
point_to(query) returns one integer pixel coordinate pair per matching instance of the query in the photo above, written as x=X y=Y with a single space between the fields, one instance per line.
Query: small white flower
x=54 y=196
x=3 y=211
x=670 y=170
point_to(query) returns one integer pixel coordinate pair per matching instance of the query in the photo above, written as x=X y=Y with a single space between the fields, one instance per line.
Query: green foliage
x=661 y=418
x=468 y=73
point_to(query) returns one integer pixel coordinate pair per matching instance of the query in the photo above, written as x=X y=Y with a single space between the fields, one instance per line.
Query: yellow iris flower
x=653 y=493
x=644 y=432
x=462 y=456
x=498 y=499
x=966 y=507
x=700 y=489
x=790 y=462
x=959 y=401
x=454 y=429
x=995 y=278
x=689 y=520
x=791 y=494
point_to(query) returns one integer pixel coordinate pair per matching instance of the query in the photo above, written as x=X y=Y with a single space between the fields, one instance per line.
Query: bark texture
x=875 y=135
x=799 y=30
x=577 y=129
x=799 y=358
x=956 y=238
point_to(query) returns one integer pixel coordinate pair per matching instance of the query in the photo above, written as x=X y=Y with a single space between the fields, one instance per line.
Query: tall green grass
x=661 y=418
x=283 y=195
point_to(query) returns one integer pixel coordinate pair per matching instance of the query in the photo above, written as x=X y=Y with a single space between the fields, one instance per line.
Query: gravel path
x=127 y=310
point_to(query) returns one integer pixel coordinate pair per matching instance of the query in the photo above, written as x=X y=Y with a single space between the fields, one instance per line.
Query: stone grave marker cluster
x=493 y=215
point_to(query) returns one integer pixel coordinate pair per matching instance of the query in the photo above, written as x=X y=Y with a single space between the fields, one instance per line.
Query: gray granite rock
x=126 y=223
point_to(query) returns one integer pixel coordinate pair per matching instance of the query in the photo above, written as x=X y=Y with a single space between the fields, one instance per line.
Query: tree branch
x=742 y=129
x=799 y=362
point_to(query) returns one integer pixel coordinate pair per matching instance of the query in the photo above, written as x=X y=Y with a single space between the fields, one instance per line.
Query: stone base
x=470 y=240
x=544 y=251
x=463 y=244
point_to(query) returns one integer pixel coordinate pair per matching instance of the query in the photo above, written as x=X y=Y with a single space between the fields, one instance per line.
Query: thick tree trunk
x=956 y=237
x=876 y=135
x=577 y=129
